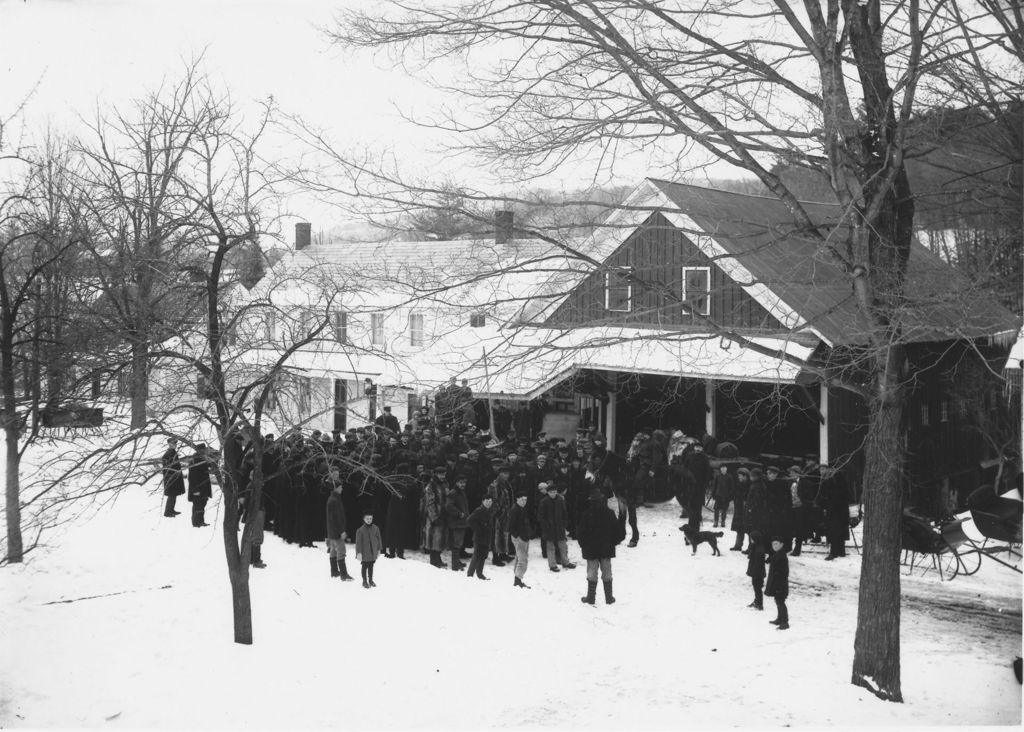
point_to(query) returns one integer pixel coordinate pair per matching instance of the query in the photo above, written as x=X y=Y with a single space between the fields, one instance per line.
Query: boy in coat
x=482 y=526
x=777 y=585
x=755 y=568
x=519 y=530
x=368 y=547
x=552 y=516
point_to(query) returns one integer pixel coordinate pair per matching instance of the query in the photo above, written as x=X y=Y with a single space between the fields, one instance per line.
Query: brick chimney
x=302 y=235
x=504 y=223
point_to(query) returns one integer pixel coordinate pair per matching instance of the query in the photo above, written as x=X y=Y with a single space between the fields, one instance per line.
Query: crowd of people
x=443 y=487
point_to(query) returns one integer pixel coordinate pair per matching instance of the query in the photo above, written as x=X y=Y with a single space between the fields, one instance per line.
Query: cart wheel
x=970 y=558
x=947 y=563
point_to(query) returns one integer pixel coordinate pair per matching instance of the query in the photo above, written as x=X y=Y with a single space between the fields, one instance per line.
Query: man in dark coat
x=388 y=423
x=835 y=498
x=336 y=527
x=552 y=516
x=806 y=515
x=652 y=462
x=755 y=517
x=739 y=498
x=401 y=499
x=199 y=486
x=480 y=522
x=599 y=532
x=174 y=480
x=699 y=466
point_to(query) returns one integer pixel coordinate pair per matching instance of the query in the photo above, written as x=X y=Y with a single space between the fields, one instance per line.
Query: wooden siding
x=657 y=252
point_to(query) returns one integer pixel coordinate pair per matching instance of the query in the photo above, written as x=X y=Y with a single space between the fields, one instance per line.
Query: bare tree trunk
x=237 y=555
x=139 y=384
x=15 y=546
x=876 y=660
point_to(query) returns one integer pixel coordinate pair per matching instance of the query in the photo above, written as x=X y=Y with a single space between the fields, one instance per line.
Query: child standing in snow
x=778 y=581
x=368 y=547
x=755 y=568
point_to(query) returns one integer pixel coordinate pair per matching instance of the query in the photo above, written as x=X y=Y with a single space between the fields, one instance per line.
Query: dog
x=696 y=538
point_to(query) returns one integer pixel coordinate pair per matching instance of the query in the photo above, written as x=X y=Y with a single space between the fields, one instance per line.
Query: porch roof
x=535 y=360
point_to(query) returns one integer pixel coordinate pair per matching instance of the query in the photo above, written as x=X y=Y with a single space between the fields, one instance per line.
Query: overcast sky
x=72 y=57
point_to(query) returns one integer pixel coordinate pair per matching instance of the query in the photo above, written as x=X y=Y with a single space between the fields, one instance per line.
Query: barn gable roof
x=755 y=241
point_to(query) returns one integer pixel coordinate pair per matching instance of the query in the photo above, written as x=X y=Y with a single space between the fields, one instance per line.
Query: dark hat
x=461 y=476
x=520 y=493
x=756 y=473
x=440 y=468
x=743 y=471
x=387 y=409
x=772 y=467
x=504 y=468
x=778 y=539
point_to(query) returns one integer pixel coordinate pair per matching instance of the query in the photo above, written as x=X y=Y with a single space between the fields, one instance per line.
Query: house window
x=618 y=290
x=341 y=327
x=944 y=410
x=377 y=329
x=477 y=320
x=925 y=415
x=416 y=329
x=696 y=286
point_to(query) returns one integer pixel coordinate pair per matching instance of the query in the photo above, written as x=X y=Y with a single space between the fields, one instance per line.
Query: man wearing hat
x=807 y=516
x=199 y=485
x=755 y=516
x=174 y=479
x=456 y=508
x=780 y=505
x=481 y=523
x=739 y=498
x=519 y=531
x=434 y=516
x=388 y=422
x=501 y=493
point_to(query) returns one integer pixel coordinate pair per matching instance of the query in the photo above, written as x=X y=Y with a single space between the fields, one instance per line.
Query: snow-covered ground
x=124 y=620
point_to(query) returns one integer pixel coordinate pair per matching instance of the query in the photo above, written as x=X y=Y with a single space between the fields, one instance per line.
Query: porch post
x=709 y=406
x=823 y=426
x=609 y=414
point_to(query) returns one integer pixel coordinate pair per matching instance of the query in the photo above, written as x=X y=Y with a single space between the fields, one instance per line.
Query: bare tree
x=834 y=85
x=42 y=228
x=143 y=220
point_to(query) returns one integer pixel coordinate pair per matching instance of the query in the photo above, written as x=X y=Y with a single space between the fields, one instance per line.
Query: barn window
x=618 y=290
x=925 y=415
x=944 y=410
x=477 y=320
x=696 y=286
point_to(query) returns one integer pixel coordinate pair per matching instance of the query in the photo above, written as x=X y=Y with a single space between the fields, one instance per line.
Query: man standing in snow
x=519 y=531
x=336 y=522
x=199 y=486
x=599 y=532
x=551 y=514
x=481 y=524
x=174 y=481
